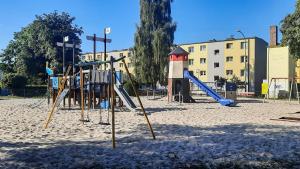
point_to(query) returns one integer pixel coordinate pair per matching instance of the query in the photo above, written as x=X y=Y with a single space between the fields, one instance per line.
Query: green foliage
x=128 y=87
x=235 y=79
x=35 y=44
x=153 y=40
x=13 y=81
x=290 y=29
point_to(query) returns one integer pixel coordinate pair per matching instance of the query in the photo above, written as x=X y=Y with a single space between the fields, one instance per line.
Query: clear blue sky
x=197 y=20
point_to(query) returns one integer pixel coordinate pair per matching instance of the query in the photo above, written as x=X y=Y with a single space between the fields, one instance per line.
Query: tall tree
x=153 y=40
x=290 y=29
x=35 y=44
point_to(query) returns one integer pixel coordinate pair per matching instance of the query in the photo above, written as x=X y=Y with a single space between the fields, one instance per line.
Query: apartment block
x=282 y=68
x=116 y=54
x=212 y=60
x=228 y=59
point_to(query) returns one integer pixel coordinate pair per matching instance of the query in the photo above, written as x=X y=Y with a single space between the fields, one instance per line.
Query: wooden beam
x=139 y=100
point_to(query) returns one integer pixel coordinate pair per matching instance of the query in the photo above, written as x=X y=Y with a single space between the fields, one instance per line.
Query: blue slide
x=208 y=90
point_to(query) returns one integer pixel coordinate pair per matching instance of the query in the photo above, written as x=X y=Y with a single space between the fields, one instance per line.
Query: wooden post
x=82 y=94
x=90 y=86
x=112 y=103
x=139 y=100
x=50 y=114
x=70 y=92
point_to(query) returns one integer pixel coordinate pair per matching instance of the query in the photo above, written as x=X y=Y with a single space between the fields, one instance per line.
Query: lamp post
x=246 y=68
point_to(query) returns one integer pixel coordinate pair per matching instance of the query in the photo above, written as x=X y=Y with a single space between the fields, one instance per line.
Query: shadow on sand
x=177 y=146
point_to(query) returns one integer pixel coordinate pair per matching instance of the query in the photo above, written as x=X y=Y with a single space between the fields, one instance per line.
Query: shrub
x=19 y=82
x=128 y=87
x=13 y=81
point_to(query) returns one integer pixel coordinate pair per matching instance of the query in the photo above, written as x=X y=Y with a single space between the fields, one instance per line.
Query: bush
x=14 y=81
x=19 y=82
x=129 y=89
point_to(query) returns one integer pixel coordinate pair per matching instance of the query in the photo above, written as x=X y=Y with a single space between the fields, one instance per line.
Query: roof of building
x=214 y=40
x=179 y=51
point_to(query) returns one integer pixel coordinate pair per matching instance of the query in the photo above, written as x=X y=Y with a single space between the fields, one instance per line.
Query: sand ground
x=203 y=134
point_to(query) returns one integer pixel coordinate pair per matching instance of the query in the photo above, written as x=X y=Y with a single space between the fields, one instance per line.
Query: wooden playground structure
x=92 y=88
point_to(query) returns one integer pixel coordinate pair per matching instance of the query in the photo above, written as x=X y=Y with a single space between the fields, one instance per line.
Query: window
x=242 y=72
x=121 y=54
x=229 y=45
x=202 y=47
x=244 y=45
x=216 y=78
x=121 y=64
x=229 y=58
x=129 y=54
x=202 y=73
x=191 y=62
x=229 y=72
x=202 y=60
x=191 y=49
x=217 y=51
x=243 y=59
x=216 y=64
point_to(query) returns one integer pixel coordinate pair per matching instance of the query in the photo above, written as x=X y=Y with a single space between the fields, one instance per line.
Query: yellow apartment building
x=197 y=59
x=212 y=60
x=116 y=54
x=281 y=69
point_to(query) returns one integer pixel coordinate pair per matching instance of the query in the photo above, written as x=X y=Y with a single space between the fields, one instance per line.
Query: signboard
x=61 y=96
x=98 y=39
x=66 y=39
x=107 y=30
x=68 y=45
x=264 y=88
x=54 y=82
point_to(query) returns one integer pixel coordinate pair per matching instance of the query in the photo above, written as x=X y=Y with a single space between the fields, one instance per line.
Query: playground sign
x=61 y=96
x=264 y=88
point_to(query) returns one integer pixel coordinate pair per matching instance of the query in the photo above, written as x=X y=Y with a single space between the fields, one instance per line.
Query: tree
x=153 y=40
x=290 y=28
x=35 y=44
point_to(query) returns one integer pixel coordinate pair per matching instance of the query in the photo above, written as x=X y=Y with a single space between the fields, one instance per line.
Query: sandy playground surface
x=195 y=135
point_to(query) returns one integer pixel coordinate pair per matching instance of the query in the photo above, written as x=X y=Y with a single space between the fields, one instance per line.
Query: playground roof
x=179 y=51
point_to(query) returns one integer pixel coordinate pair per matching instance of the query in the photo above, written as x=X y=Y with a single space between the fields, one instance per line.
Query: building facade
x=282 y=69
x=116 y=54
x=212 y=60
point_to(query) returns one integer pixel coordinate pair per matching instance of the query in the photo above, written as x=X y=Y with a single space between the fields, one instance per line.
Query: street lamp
x=246 y=68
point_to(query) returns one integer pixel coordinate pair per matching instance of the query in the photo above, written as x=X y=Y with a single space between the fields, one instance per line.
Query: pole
x=94 y=70
x=94 y=54
x=245 y=41
x=74 y=78
x=104 y=49
x=112 y=102
x=64 y=56
x=246 y=69
x=82 y=94
x=248 y=62
x=139 y=100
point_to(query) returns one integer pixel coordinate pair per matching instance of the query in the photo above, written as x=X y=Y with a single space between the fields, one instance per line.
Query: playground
x=187 y=135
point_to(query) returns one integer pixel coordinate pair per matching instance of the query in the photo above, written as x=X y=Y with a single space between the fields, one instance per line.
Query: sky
x=197 y=20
